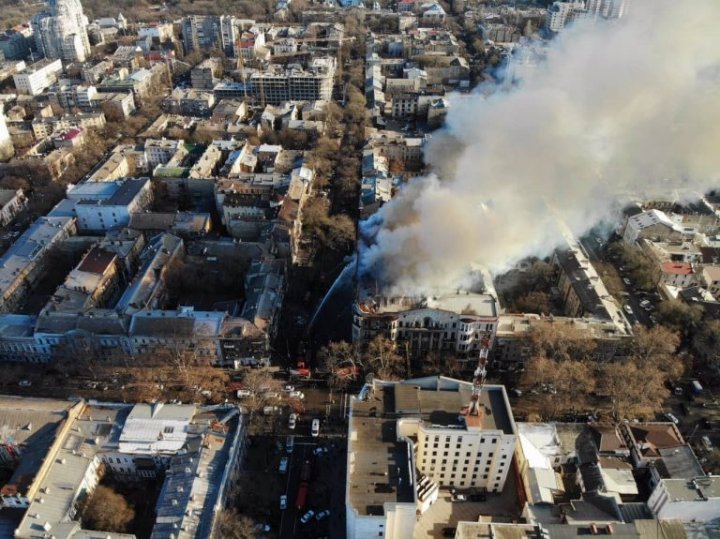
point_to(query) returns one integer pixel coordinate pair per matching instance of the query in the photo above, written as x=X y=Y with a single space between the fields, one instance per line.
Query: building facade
x=61 y=32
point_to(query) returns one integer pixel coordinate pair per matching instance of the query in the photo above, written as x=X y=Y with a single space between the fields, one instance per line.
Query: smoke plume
x=616 y=108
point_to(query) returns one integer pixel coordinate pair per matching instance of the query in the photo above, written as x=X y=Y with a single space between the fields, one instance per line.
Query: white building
x=61 y=32
x=406 y=438
x=108 y=205
x=609 y=9
x=6 y=146
x=559 y=14
x=688 y=500
x=160 y=151
x=37 y=77
x=12 y=202
x=654 y=225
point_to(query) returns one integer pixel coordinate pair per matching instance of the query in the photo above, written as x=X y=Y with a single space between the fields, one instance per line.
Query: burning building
x=457 y=323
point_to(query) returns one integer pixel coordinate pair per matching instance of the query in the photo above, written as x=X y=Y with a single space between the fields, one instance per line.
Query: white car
x=283 y=502
x=307 y=516
x=296 y=395
x=626 y=281
x=315 y=429
x=628 y=309
x=24 y=383
x=292 y=421
x=288 y=388
x=671 y=417
x=243 y=393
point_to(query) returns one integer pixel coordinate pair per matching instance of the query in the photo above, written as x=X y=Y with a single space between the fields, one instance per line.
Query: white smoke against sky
x=629 y=106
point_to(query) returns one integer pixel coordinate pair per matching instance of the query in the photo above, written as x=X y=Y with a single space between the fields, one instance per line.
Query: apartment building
x=160 y=151
x=405 y=439
x=189 y=102
x=23 y=264
x=37 y=77
x=12 y=202
x=6 y=145
x=62 y=31
x=132 y=443
x=293 y=83
x=105 y=206
x=204 y=75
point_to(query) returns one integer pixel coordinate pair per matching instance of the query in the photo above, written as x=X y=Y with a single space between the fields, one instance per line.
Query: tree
x=106 y=510
x=680 y=316
x=335 y=357
x=232 y=525
x=656 y=348
x=561 y=341
x=262 y=385
x=706 y=345
x=634 y=391
x=381 y=358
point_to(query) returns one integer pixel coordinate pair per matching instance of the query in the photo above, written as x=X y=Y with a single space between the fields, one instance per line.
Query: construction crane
x=479 y=375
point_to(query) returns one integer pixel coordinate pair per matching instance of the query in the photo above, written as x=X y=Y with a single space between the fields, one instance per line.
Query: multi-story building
x=405 y=439
x=189 y=102
x=460 y=323
x=6 y=145
x=23 y=264
x=160 y=151
x=61 y=32
x=204 y=75
x=132 y=443
x=15 y=42
x=561 y=13
x=293 y=83
x=12 y=202
x=210 y=31
x=37 y=77
x=108 y=205
x=609 y=9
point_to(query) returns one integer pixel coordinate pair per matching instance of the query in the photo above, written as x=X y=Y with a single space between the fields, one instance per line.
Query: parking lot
x=317 y=461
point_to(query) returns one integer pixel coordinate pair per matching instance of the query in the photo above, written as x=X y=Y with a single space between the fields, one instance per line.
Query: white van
x=315 y=430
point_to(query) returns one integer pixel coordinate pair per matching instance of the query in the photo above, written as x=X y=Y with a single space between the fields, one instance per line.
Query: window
x=168 y=430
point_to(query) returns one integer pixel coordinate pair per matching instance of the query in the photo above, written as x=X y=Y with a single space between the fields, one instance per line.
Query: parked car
x=322 y=515
x=459 y=498
x=292 y=421
x=671 y=417
x=628 y=309
x=290 y=444
x=644 y=303
x=319 y=451
x=288 y=388
x=626 y=281
x=296 y=395
x=283 y=502
x=307 y=516
x=243 y=393
x=283 y=465
x=315 y=429
x=263 y=528
x=24 y=383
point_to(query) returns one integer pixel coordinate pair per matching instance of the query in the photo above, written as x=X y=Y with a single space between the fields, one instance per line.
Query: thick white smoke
x=629 y=106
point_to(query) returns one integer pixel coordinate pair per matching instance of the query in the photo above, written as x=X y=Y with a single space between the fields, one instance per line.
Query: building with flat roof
x=37 y=77
x=61 y=32
x=103 y=206
x=405 y=439
x=132 y=442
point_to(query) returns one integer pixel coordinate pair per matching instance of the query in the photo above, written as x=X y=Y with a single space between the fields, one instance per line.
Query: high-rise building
x=559 y=14
x=609 y=9
x=6 y=145
x=61 y=32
